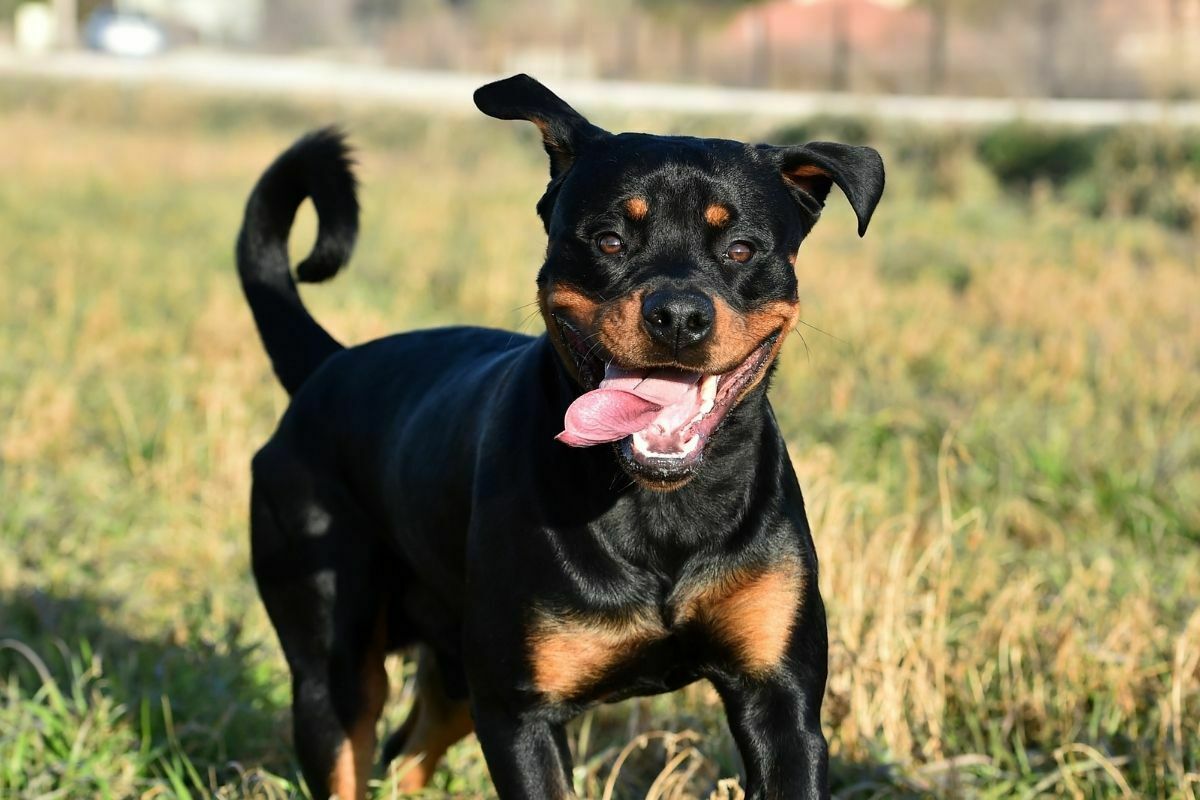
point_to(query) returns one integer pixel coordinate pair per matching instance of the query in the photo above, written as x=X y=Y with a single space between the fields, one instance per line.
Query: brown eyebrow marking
x=716 y=215
x=637 y=207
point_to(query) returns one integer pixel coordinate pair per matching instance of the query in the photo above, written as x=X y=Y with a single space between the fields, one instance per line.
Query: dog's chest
x=741 y=621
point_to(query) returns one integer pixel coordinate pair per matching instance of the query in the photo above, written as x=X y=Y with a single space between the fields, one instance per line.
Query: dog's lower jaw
x=718 y=463
x=646 y=475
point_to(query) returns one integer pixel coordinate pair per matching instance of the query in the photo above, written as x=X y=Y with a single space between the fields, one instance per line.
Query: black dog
x=415 y=492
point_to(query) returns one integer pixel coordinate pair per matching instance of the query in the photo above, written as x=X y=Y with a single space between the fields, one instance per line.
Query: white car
x=122 y=34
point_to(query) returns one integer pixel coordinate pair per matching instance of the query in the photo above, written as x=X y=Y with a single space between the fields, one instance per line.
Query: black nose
x=678 y=318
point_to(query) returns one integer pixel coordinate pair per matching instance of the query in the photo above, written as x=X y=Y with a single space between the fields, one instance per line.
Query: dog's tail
x=318 y=166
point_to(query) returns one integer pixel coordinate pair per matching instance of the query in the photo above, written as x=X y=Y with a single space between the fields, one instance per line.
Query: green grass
x=994 y=412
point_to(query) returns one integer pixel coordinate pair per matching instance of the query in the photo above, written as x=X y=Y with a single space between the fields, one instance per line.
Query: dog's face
x=669 y=279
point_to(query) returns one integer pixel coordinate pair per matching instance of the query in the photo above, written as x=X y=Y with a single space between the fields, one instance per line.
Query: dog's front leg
x=777 y=728
x=526 y=753
x=775 y=717
x=523 y=739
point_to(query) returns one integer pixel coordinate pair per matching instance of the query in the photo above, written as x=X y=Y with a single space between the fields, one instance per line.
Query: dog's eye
x=609 y=243
x=739 y=252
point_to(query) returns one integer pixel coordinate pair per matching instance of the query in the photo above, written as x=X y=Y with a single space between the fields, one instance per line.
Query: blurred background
x=993 y=403
x=1053 y=48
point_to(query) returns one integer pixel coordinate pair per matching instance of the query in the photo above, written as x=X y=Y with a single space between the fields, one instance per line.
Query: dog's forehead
x=693 y=149
x=635 y=154
x=641 y=163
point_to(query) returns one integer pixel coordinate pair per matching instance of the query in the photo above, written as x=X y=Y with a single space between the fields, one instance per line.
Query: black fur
x=318 y=167
x=417 y=477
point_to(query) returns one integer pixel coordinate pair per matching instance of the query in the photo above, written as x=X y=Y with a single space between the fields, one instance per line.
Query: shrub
x=1019 y=154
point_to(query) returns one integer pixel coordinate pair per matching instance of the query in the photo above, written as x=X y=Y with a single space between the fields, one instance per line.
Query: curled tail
x=318 y=166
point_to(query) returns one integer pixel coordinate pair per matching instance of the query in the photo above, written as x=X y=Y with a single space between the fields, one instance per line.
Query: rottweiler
x=603 y=511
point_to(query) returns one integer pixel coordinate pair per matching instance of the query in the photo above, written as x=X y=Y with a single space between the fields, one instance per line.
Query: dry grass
x=1003 y=473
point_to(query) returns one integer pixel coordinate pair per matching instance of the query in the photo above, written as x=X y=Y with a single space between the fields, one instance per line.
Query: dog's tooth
x=708 y=393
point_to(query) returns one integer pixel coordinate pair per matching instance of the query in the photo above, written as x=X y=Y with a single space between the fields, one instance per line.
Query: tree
x=689 y=17
x=839 y=78
x=942 y=13
x=939 y=43
x=1050 y=17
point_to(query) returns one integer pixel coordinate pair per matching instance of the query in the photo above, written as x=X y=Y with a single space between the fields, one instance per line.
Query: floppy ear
x=811 y=169
x=564 y=131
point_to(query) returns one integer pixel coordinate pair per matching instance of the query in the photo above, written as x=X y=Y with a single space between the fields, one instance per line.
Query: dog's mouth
x=661 y=419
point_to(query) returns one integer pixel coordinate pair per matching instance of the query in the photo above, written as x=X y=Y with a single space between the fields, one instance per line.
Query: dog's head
x=669 y=283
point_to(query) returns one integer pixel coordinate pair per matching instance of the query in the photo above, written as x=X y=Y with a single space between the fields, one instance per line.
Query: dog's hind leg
x=435 y=722
x=322 y=580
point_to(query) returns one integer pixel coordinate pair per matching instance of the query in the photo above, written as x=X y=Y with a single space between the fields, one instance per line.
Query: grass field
x=994 y=411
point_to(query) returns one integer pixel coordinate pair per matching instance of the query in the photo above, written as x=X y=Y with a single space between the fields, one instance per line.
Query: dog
x=603 y=511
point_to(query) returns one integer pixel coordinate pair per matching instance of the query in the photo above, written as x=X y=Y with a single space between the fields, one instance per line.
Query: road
x=452 y=91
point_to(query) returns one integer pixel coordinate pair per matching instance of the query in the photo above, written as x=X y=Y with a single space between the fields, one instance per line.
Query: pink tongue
x=626 y=402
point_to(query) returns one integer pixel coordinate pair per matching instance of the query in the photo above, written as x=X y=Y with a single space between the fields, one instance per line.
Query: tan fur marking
x=570 y=654
x=619 y=328
x=352 y=765
x=616 y=326
x=343 y=783
x=637 y=207
x=432 y=738
x=576 y=307
x=808 y=171
x=810 y=178
x=735 y=335
x=434 y=724
x=579 y=309
x=753 y=614
x=792 y=259
x=716 y=215
x=547 y=133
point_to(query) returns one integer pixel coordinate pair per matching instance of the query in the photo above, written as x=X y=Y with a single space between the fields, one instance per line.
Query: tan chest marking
x=569 y=654
x=752 y=614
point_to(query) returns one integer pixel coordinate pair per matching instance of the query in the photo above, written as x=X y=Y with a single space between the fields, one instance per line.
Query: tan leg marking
x=352 y=766
x=569 y=654
x=435 y=723
x=752 y=614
